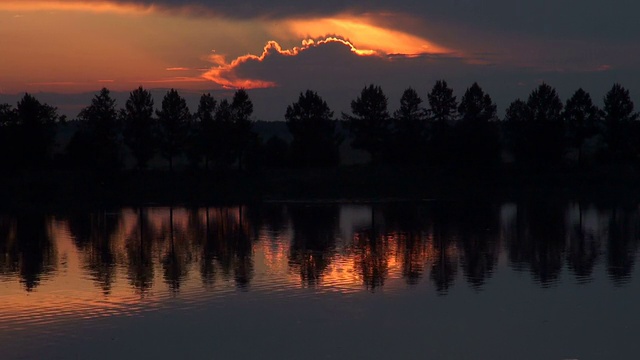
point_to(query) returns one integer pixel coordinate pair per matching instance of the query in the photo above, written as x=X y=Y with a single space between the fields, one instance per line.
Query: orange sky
x=72 y=46
x=69 y=48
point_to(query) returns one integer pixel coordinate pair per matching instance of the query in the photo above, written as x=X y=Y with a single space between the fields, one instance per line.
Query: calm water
x=435 y=280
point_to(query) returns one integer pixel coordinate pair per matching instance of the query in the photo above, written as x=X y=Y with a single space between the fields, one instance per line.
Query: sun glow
x=367 y=34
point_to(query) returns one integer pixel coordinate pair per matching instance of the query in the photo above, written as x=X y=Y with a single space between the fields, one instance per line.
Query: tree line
x=540 y=132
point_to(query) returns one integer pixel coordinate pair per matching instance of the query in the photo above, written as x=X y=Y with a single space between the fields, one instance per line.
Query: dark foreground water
x=434 y=280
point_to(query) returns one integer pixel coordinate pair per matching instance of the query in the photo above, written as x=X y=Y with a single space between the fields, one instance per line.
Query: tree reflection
x=408 y=227
x=445 y=265
x=93 y=234
x=371 y=253
x=242 y=250
x=622 y=244
x=199 y=233
x=139 y=245
x=583 y=247
x=479 y=242
x=177 y=254
x=313 y=243
x=27 y=248
x=435 y=240
x=223 y=238
x=539 y=240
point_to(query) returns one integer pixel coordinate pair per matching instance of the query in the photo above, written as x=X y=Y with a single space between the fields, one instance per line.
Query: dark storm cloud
x=597 y=19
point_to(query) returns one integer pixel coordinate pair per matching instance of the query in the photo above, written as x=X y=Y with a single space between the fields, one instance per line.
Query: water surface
x=437 y=280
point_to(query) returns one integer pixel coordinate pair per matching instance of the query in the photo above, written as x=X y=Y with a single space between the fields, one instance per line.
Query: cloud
x=338 y=73
x=529 y=33
x=238 y=73
x=547 y=19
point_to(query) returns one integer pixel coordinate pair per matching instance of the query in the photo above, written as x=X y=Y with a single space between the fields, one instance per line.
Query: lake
x=534 y=279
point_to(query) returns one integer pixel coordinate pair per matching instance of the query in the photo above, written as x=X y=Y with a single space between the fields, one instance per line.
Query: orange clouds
x=367 y=33
x=398 y=44
x=88 y=6
x=348 y=30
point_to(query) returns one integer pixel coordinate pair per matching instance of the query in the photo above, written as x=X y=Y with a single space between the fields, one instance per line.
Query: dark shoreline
x=359 y=183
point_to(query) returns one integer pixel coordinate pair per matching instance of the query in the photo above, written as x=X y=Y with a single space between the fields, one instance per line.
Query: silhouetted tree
x=139 y=126
x=517 y=111
x=409 y=128
x=581 y=120
x=241 y=131
x=204 y=133
x=619 y=118
x=536 y=128
x=442 y=103
x=35 y=131
x=173 y=120
x=370 y=124
x=515 y=117
x=546 y=116
x=315 y=142
x=7 y=129
x=221 y=150
x=441 y=114
x=101 y=128
x=5 y=111
x=477 y=137
x=476 y=106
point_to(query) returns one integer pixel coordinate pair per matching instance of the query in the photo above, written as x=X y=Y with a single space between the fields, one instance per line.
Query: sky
x=64 y=51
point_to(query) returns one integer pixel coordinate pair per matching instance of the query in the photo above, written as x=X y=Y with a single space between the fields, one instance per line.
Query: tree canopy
x=139 y=126
x=370 y=124
x=315 y=141
x=173 y=121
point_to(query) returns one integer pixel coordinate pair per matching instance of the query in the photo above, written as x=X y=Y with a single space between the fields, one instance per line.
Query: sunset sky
x=66 y=50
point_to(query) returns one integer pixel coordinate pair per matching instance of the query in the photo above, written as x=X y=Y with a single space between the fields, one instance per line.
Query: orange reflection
x=129 y=260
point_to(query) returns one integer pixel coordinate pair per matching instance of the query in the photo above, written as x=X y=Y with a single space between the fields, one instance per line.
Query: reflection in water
x=366 y=244
x=27 y=249
x=538 y=240
x=93 y=234
x=622 y=244
x=326 y=247
x=314 y=240
x=138 y=250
